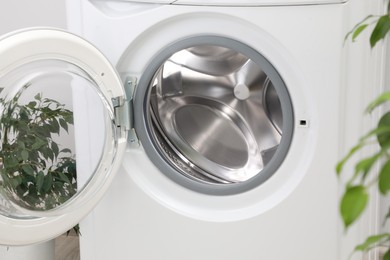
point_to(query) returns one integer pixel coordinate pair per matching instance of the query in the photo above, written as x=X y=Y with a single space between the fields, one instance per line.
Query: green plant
x=381 y=27
x=36 y=173
x=356 y=196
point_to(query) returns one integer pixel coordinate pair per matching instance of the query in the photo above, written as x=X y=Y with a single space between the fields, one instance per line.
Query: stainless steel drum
x=215 y=114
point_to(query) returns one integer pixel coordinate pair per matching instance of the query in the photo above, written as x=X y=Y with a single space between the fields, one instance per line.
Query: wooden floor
x=67 y=247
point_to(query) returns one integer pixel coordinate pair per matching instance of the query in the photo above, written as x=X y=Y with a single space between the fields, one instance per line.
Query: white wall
x=17 y=14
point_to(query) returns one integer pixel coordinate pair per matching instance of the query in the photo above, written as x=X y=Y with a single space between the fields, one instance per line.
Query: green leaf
x=32 y=104
x=371 y=241
x=32 y=200
x=380 y=130
x=55 y=149
x=378 y=101
x=10 y=162
x=353 y=203
x=358 y=31
x=46 y=152
x=34 y=156
x=340 y=165
x=40 y=180
x=75 y=229
x=388 y=7
x=386 y=217
x=24 y=155
x=386 y=256
x=38 y=143
x=69 y=118
x=64 y=178
x=21 y=145
x=366 y=164
x=47 y=184
x=66 y=150
x=38 y=96
x=384 y=137
x=23 y=115
x=380 y=31
x=28 y=170
x=54 y=126
x=15 y=181
x=384 y=178
x=357 y=26
x=63 y=124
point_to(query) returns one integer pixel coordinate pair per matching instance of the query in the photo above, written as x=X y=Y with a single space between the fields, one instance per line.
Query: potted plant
x=356 y=196
x=36 y=173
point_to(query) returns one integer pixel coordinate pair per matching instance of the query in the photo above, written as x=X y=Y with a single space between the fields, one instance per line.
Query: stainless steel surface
x=272 y=106
x=216 y=114
x=210 y=60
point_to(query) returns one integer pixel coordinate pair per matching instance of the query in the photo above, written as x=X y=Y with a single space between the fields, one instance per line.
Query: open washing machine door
x=61 y=139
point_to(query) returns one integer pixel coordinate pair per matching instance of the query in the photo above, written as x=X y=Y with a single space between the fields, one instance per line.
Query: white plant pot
x=43 y=251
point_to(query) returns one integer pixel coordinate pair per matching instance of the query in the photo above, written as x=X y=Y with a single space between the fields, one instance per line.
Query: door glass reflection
x=51 y=133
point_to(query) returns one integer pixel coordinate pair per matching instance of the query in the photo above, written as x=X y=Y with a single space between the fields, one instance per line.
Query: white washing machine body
x=154 y=208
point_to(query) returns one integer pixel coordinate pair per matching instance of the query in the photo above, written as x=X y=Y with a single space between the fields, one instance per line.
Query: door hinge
x=123 y=109
x=122 y=113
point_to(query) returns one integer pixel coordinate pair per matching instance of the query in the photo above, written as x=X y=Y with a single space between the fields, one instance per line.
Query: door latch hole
x=303 y=123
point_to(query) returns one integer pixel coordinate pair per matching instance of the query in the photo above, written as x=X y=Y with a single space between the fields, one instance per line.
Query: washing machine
x=240 y=111
x=185 y=129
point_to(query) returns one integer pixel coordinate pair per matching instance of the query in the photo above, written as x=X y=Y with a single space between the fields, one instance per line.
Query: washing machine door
x=61 y=140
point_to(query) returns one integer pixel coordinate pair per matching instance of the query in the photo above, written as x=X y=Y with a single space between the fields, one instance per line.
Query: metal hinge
x=123 y=109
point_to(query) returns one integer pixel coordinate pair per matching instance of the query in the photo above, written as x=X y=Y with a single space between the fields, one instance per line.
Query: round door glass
x=219 y=114
x=53 y=127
